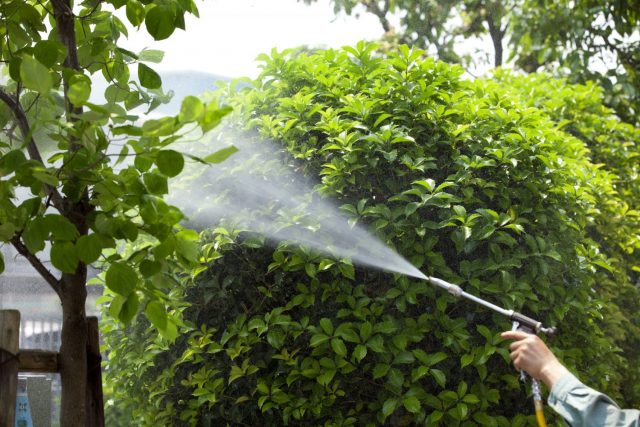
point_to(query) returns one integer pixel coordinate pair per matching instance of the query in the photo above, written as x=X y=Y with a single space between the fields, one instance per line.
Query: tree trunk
x=497 y=34
x=73 y=350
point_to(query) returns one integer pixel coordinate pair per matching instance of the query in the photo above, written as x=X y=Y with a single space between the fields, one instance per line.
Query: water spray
x=519 y=322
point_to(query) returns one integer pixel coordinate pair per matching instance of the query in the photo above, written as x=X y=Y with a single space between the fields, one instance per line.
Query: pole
x=9 y=346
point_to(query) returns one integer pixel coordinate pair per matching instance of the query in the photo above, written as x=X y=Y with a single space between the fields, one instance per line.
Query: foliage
x=69 y=191
x=584 y=40
x=468 y=180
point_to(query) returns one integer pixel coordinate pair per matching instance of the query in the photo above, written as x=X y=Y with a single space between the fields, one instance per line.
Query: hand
x=530 y=354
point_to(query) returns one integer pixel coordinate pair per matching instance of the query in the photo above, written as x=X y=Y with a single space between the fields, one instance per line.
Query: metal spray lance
x=519 y=322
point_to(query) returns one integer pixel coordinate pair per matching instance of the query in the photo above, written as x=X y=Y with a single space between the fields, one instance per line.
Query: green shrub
x=467 y=180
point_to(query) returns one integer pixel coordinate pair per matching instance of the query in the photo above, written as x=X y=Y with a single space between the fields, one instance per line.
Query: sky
x=229 y=34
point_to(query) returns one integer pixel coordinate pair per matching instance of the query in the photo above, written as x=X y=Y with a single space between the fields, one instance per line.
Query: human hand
x=530 y=354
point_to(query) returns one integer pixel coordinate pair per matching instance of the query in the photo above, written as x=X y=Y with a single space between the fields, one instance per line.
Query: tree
x=81 y=202
x=485 y=183
x=584 y=40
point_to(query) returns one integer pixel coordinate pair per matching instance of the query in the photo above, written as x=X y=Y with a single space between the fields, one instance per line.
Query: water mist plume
x=258 y=189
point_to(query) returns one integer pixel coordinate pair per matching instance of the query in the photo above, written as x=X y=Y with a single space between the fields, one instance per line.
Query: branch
x=32 y=148
x=37 y=264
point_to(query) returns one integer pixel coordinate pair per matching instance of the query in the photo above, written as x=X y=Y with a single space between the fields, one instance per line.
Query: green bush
x=471 y=181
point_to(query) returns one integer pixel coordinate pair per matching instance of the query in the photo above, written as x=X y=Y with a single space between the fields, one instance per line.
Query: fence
x=14 y=360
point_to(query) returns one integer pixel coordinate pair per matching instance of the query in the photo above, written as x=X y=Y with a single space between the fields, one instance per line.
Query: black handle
x=532 y=324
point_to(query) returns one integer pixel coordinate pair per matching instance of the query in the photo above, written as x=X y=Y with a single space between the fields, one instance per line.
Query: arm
x=578 y=404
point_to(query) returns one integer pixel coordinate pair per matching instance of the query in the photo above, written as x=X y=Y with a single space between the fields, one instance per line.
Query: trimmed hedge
x=477 y=182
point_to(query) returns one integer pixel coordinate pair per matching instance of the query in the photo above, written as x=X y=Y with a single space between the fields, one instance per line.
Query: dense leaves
x=481 y=183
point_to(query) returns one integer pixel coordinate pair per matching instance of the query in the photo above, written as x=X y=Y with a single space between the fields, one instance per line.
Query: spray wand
x=519 y=322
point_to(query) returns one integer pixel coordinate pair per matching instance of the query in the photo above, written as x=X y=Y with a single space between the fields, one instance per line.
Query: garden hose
x=535 y=385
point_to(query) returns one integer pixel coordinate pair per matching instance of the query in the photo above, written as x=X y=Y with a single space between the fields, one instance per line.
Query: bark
x=73 y=350
x=497 y=35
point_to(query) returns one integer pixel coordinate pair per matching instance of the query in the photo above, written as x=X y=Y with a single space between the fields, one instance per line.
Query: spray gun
x=519 y=322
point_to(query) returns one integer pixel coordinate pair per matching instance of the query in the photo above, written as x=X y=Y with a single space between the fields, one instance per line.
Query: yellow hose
x=539 y=413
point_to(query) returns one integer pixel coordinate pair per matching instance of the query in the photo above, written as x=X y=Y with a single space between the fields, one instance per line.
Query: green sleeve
x=580 y=406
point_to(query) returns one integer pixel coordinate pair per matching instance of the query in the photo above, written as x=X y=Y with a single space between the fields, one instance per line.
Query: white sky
x=230 y=34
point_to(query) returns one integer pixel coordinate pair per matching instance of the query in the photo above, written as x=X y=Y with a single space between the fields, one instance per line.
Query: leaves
x=64 y=257
x=121 y=278
x=160 y=21
x=148 y=77
x=89 y=248
x=156 y=314
x=169 y=162
x=221 y=155
x=35 y=76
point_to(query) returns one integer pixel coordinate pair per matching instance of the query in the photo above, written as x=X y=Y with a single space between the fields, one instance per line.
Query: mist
x=261 y=189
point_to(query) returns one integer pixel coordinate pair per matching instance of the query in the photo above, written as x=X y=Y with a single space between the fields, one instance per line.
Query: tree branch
x=37 y=264
x=32 y=148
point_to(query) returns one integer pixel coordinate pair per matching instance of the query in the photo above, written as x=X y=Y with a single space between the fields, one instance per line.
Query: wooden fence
x=14 y=360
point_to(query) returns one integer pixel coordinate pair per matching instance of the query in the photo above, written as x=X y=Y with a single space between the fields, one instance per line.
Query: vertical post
x=95 y=402
x=9 y=338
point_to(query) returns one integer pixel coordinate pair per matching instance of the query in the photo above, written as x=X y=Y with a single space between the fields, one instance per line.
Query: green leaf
x=439 y=376
x=150 y=268
x=188 y=249
x=338 y=347
x=11 y=161
x=46 y=178
x=360 y=352
x=192 y=109
x=318 y=339
x=326 y=326
x=121 y=278
x=221 y=155
x=129 y=308
x=46 y=52
x=156 y=183
x=213 y=116
x=389 y=406
x=347 y=271
x=34 y=235
x=89 y=248
x=380 y=370
x=135 y=12
x=7 y=231
x=79 y=89
x=465 y=360
x=160 y=21
x=148 y=77
x=35 y=76
x=170 y=162
x=376 y=344
x=64 y=257
x=411 y=404
x=151 y=55
x=395 y=377
x=156 y=314
x=1 y=263
x=61 y=228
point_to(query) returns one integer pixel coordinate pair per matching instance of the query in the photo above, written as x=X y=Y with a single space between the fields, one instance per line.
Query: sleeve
x=581 y=406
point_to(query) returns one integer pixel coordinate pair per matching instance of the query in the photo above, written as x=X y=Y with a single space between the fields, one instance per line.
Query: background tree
x=69 y=191
x=582 y=40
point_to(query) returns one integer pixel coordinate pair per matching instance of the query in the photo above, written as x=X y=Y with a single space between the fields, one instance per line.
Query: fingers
x=515 y=335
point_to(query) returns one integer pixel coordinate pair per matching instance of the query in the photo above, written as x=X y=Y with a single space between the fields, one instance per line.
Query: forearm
x=580 y=405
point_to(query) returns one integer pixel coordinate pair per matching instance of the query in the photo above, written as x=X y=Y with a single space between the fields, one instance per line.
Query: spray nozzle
x=525 y=322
